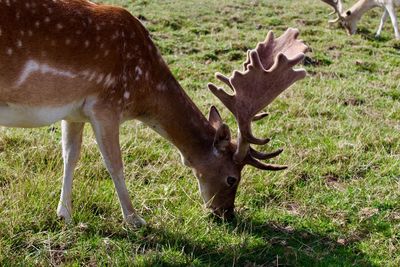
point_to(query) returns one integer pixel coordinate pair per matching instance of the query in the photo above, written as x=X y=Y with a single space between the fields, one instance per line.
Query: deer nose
x=225 y=213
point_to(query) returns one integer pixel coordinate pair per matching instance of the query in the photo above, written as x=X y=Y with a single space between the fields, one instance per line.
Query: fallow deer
x=76 y=61
x=350 y=18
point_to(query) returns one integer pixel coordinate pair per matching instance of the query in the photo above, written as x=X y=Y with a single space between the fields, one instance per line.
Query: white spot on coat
x=138 y=71
x=161 y=87
x=100 y=78
x=109 y=80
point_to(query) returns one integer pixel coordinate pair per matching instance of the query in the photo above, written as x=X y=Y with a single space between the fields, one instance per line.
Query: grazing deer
x=79 y=62
x=350 y=18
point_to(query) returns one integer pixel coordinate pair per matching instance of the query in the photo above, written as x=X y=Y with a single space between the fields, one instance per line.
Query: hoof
x=135 y=221
x=64 y=214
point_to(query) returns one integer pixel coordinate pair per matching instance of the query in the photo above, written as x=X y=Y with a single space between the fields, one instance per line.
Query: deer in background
x=80 y=62
x=350 y=18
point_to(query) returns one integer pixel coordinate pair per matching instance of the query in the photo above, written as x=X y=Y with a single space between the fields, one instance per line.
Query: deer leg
x=393 y=18
x=71 y=147
x=106 y=129
x=383 y=20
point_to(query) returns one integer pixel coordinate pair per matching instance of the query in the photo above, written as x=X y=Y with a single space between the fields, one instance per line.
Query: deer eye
x=231 y=180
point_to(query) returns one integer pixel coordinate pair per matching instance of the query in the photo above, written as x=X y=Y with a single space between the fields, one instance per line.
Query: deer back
x=53 y=52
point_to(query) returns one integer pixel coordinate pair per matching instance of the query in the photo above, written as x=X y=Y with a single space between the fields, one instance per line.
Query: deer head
x=346 y=19
x=266 y=73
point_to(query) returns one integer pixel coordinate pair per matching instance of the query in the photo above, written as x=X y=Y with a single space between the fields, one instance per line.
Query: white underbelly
x=12 y=115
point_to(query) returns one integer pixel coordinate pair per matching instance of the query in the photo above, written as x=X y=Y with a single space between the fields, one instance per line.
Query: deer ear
x=222 y=138
x=214 y=118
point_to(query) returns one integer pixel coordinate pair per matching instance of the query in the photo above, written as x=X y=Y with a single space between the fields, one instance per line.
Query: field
x=338 y=204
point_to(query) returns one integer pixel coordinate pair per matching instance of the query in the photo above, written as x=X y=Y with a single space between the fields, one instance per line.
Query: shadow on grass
x=261 y=244
x=276 y=245
x=366 y=34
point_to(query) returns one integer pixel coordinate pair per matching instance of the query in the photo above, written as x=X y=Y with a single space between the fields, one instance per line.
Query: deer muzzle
x=224 y=213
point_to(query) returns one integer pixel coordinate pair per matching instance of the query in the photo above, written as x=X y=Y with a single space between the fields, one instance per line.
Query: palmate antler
x=268 y=71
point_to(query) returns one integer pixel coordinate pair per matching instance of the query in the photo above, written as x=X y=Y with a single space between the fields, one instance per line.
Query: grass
x=337 y=205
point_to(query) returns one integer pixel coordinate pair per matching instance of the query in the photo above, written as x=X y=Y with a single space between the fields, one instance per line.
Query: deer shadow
x=277 y=245
x=368 y=35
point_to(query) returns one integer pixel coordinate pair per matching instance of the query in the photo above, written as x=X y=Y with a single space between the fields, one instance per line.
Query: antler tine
x=263 y=166
x=246 y=134
x=226 y=99
x=263 y=156
x=336 y=4
x=260 y=116
x=225 y=80
x=268 y=71
x=338 y=9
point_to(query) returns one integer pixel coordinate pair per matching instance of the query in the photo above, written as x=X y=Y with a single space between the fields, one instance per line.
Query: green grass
x=337 y=205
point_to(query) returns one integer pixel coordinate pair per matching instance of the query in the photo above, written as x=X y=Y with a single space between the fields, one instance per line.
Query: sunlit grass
x=337 y=204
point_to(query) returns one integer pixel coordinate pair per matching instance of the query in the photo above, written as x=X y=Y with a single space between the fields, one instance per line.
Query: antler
x=337 y=6
x=268 y=71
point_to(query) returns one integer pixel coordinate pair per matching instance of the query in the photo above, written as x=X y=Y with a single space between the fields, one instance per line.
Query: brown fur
x=73 y=35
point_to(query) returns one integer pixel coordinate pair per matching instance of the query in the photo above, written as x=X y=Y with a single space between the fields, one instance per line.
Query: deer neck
x=174 y=116
x=362 y=6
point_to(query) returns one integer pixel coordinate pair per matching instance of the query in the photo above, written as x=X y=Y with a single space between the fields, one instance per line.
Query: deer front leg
x=106 y=129
x=393 y=18
x=71 y=147
x=383 y=20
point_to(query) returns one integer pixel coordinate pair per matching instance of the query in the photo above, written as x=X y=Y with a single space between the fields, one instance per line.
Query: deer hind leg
x=392 y=13
x=71 y=147
x=383 y=20
x=106 y=129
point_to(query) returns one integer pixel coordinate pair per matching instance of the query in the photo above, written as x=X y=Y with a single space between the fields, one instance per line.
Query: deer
x=79 y=62
x=350 y=18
